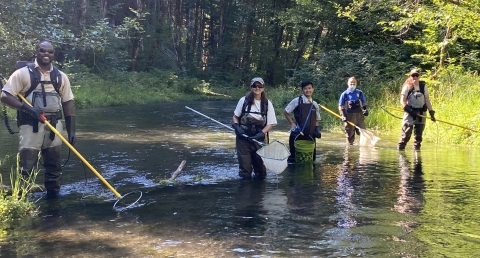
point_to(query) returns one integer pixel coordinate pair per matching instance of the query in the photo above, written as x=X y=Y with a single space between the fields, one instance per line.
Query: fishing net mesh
x=274 y=156
x=367 y=138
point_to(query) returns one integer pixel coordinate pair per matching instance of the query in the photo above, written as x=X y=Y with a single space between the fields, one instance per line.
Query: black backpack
x=55 y=76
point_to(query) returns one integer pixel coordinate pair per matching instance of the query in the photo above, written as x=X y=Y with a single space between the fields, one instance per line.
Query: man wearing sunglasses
x=415 y=101
x=48 y=102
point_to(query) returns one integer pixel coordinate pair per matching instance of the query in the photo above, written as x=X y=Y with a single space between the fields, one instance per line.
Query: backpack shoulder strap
x=244 y=107
x=56 y=78
x=422 y=87
x=264 y=107
x=34 y=78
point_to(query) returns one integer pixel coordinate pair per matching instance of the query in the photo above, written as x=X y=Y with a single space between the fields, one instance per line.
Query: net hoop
x=130 y=205
x=274 y=156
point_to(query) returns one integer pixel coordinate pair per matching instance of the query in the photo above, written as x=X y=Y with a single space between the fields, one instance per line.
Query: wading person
x=253 y=117
x=353 y=108
x=415 y=102
x=49 y=94
x=307 y=116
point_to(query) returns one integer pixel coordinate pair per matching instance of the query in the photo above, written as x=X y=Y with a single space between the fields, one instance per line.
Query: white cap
x=257 y=79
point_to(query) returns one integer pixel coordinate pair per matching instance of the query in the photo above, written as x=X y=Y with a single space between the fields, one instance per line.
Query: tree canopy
x=232 y=41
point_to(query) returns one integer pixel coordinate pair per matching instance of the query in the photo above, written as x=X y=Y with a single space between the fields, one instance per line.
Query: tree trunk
x=271 y=69
x=248 y=36
x=177 y=37
x=300 y=49
x=316 y=41
x=137 y=42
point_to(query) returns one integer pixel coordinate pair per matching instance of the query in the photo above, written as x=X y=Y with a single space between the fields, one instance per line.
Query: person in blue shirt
x=353 y=108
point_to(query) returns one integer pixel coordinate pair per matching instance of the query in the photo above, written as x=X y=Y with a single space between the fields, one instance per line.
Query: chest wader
x=248 y=159
x=36 y=137
x=415 y=125
x=301 y=113
x=354 y=115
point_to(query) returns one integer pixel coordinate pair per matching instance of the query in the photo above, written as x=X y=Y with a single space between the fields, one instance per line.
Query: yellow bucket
x=304 y=151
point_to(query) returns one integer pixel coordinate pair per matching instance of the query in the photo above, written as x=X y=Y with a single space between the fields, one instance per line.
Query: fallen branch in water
x=179 y=169
x=211 y=93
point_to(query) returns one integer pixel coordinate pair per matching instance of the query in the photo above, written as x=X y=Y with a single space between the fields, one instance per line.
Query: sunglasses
x=415 y=75
x=257 y=86
x=44 y=51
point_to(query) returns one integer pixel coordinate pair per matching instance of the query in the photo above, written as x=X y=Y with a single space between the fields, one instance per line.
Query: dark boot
x=405 y=137
x=418 y=136
x=350 y=134
x=28 y=160
x=53 y=170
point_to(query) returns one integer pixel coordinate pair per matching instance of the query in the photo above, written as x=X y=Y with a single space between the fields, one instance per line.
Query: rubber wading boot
x=28 y=160
x=53 y=169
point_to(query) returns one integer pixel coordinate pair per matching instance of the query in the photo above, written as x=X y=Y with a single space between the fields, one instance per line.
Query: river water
x=352 y=202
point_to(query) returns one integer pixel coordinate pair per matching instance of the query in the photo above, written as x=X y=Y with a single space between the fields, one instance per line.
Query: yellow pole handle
x=397 y=109
x=44 y=119
x=337 y=115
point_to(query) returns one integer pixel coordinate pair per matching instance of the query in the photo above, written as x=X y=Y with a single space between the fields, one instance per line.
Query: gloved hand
x=70 y=125
x=365 y=111
x=344 y=115
x=34 y=112
x=317 y=133
x=238 y=130
x=432 y=115
x=409 y=110
x=259 y=137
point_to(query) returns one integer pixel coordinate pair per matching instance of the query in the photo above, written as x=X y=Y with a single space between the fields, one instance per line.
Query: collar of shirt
x=307 y=100
x=36 y=65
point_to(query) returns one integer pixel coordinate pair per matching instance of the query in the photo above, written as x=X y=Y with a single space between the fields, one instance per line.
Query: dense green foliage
x=14 y=200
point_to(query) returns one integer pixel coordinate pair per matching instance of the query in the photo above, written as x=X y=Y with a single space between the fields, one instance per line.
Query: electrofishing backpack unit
x=422 y=90
x=246 y=108
x=35 y=77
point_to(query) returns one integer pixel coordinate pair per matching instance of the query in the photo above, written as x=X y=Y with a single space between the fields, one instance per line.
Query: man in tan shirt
x=34 y=135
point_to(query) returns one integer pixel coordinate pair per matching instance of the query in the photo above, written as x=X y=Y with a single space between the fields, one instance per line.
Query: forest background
x=138 y=51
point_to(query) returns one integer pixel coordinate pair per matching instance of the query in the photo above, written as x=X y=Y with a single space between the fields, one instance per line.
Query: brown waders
x=300 y=117
x=248 y=159
x=357 y=119
x=412 y=125
x=31 y=144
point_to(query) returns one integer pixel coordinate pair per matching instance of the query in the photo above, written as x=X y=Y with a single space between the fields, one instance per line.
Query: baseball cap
x=257 y=79
x=415 y=71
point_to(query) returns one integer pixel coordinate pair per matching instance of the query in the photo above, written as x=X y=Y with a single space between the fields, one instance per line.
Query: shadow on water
x=353 y=201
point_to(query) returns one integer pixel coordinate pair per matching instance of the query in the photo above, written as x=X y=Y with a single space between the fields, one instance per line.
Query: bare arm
x=428 y=103
x=290 y=120
x=267 y=128
x=403 y=100
x=235 y=119
x=11 y=101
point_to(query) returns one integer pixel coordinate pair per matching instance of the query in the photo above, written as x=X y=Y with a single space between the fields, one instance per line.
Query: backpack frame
x=35 y=77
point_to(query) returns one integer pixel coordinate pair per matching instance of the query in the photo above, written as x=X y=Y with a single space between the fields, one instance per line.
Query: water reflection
x=347 y=178
x=300 y=180
x=352 y=202
x=248 y=203
x=412 y=185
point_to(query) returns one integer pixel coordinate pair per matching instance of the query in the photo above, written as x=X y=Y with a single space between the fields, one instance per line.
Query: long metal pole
x=224 y=125
x=397 y=109
x=44 y=119
x=218 y=122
